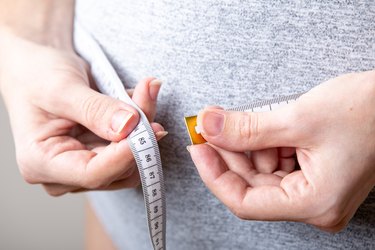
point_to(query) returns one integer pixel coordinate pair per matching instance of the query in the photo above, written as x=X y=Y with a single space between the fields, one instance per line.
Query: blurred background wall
x=29 y=218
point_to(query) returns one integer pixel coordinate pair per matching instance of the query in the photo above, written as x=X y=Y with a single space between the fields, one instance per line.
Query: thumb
x=107 y=117
x=242 y=131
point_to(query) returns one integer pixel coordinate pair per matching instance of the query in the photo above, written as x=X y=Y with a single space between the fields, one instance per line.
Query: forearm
x=48 y=22
x=26 y=23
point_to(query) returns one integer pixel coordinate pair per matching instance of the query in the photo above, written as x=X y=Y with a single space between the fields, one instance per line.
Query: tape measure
x=262 y=106
x=142 y=140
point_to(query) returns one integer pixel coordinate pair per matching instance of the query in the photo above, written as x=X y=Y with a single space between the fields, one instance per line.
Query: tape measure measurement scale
x=262 y=106
x=142 y=140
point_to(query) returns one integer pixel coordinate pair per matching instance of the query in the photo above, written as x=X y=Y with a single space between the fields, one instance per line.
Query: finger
x=240 y=164
x=280 y=173
x=88 y=169
x=131 y=170
x=237 y=162
x=123 y=184
x=97 y=144
x=145 y=96
x=287 y=164
x=90 y=138
x=265 y=160
x=225 y=184
x=286 y=152
x=157 y=128
x=130 y=92
x=259 y=203
x=72 y=165
x=56 y=190
x=131 y=177
x=241 y=131
x=131 y=181
x=109 y=118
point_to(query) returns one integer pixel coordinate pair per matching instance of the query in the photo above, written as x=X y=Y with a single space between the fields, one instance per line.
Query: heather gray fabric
x=226 y=52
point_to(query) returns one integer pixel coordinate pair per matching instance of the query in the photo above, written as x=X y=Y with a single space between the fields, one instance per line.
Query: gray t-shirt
x=226 y=52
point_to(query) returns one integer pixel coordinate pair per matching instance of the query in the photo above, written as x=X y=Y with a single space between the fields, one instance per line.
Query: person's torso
x=225 y=53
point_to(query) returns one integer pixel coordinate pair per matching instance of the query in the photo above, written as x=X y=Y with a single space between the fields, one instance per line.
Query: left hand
x=331 y=130
x=68 y=137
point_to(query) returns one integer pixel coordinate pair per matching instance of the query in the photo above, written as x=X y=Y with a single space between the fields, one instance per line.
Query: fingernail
x=188 y=148
x=154 y=88
x=212 y=123
x=160 y=135
x=120 y=119
x=130 y=92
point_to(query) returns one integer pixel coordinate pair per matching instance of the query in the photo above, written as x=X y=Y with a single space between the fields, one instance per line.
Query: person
x=70 y=138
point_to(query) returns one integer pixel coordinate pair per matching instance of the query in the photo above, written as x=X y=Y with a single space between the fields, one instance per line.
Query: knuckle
x=25 y=169
x=27 y=176
x=94 y=109
x=238 y=212
x=331 y=221
x=247 y=125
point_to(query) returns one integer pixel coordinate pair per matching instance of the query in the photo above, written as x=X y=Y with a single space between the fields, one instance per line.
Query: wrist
x=44 y=22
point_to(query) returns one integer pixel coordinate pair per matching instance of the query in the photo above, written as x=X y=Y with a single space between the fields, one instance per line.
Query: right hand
x=68 y=136
x=331 y=131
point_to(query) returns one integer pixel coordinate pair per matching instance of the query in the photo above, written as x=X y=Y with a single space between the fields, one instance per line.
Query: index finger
x=145 y=96
x=66 y=161
x=88 y=169
x=253 y=203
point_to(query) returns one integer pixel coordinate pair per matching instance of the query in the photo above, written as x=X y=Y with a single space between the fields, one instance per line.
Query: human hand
x=331 y=129
x=68 y=136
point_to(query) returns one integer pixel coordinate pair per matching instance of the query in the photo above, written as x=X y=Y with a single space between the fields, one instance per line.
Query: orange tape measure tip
x=191 y=126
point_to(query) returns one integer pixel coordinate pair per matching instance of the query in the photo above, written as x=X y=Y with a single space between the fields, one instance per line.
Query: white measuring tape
x=267 y=105
x=142 y=140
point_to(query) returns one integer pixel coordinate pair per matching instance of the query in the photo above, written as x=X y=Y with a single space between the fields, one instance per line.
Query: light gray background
x=29 y=218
